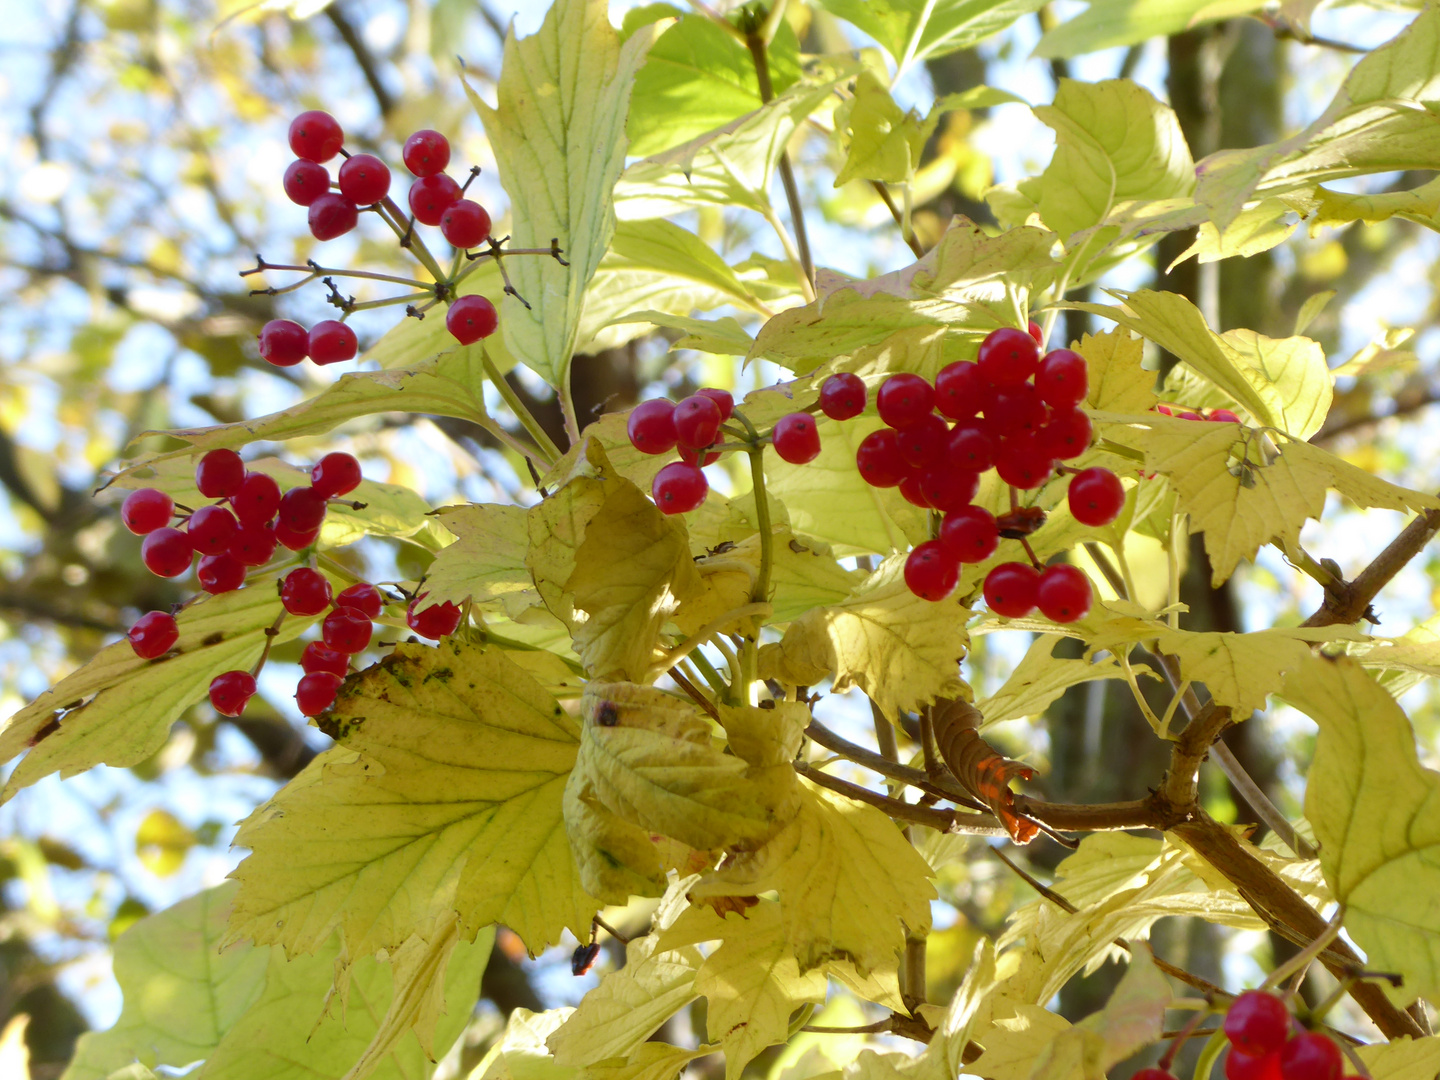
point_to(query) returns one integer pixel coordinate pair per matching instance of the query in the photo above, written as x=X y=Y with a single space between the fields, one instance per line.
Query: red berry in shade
x=1065 y=435
x=1151 y=1073
x=431 y=196
x=364 y=179
x=1010 y=589
x=692 y=457
x=257 y=500
x=842 y=396
x=315 y=693
x=1311 y=1056
x=1222 y=416
x=254 y=543
x=1008 y=357
x=1062 y=380
x=931 y=572
x=231 y=692
x=465 y=224
x=154 y=635
x=346 y=630
x=302 y=509
x=796 y=438
x=1096 y=496
x=304 y=592
x=362 y=596
x=219 y=474
x=958 y=390
x=305 y=181
x=335 y=474
x=1063 y=594
x=332 y=342
x=292 y=539
x=970 y=534
x=923 y=443
x=913 y=493
x=1257 y=1022
x=946 y=488
x=1035 y=331
x=697 y=422
x=332 y=215
x=434 y=621
x=679 y=488
x=283 y=343
x=722 y=398
x=1022 y=464
x=146 y=510
x=651 y=426
x=970 y=447
x=1240 y=1066
x=426 y=153
x=317 y=657
x=471 y=318
x=1164 y=410
x=1188 y=415
x=903 y=399
x=166 y=552
x=878 y=459
x=211 y=528
x=1014 y=409
x=316 y=136
x=220 y=573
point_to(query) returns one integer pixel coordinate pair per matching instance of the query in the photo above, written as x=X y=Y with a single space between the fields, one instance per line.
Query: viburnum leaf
x=520 y=1053
x=1106 y=24
x=1018 y=1031
x=444 y=795
x=557 y=523
x=1040 y=678
x=912 y=32
x=1402 y=1058
x=884 y=141
x=1118 y=382
x=649 y=1061
x=1259 y=228
x=487 y=560
x=1420 y=205
x=723 y=336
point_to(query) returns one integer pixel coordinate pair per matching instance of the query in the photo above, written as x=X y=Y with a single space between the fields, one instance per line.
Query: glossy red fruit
x=166 y=552
x=1010 y=589
x=471 y=318
x=923 y=443
x=315 y=692
x=797 y=439
x=284 y=343
x=1063 y=594
x=146 y=510
x=970 y=534
x=1096 y=497
x=970 y=447
x=317 y=657
x=1022 y=464
x=724 y=400
x=332 y=342
x=931 y=572
x=433 y=621
x=1014 y=410
x=305 y=181
x=254 y=544
x=1164 y=410
x=913 y=493
x=211 y=529
x=946 y=488
x=1066 y=435
x=304 y=591
x=257 y=500
x=346 y=630
x=958 y=390
x=1188 y=415
x=651 y=426
x=878 y=459
x=842 y=396
x=220 y=573
x=1035 y=331
x=1151 y=1073
x=465 y=224
x=697 y=421
x=1311 y=1056
x=1222 y=416
x=692 y=457
x=426 y=153
x=154 y=635
x=302 y=509
x=332 y=215
x=316 y=136
x=679 y=488
x=904 y=399
x=1257 y=1021
x=1008 y=357
x=364 y=179
x=1240 y=1066
x=431 y=196
x=219 y=474
x=1062 y=380
x=293 y=540
x=335 y=474
x=231 y=692
x=363 y=597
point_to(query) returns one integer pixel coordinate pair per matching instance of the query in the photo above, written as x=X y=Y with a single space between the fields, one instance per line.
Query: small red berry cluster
x=1265 y=1044
x=1216 y=416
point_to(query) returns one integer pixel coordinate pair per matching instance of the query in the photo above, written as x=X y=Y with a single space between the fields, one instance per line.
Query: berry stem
x=755 y=448
x=1303 y=958
x=549 y=452
x=1168 y=1058
x=390 y=212
x=315 y=270
x=710 y=675
x=1031 y=553
x=270 y=633
x=364 y=305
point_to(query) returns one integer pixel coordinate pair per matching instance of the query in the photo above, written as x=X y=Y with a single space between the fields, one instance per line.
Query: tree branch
x=353 y=41
x=1349 y=602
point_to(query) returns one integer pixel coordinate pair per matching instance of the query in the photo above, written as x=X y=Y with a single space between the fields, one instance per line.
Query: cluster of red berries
x=1265 y=1044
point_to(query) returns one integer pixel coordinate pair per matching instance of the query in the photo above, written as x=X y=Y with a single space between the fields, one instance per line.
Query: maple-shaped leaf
x=884 y=141
x=443 y=795
x=1041 y=678
x=1017 y=1031
x=1117 y=381
x=520 y=1052
x=486 y=562
x=1402 y=1058
x=980 y=768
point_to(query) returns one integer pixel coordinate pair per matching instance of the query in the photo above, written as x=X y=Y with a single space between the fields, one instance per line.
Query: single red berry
x=283 y=343
x=471 y=318
x=1022 y=464
x=219 y=474
x=946 y=488
x=315 y=692
x=257 y=500
x=679 y=488
x=154 y=635
x=970 y=447
x=316 y=136
x=651 y=426
x=346 y=630
x=1065 y=435
x=231 y=692
x=166 y=552
x=697 y=421
x=842 y=396
x=304 y=591
x=1240 y=1066
x=1014 y=409
x=1222 y=416
x=435 y=621
x=796 y=438
x=878 y=459
x=317 y=657
x=1010 y=589
x=364 y=179
x=692 y=457
x=254 y=543
x=1151 y=1073
x=1063 y=594
x=426 y=153
x=723 y=399
x=332 y=215
x=363 y=597
x=465 y=224
x=1311 y=1056
x=211 y=529
x=335 y=474
x=958 y=390
x=305 y=181
x=1188 y=415
x=220 y=573
x=302 y=509
x=332 y=342
x=904 y=399
x=931 y=572
x=293 y=540
x=1096 y=497
x=923 y=443
x=146 y=510
x=431 y=196
x=1062 y=380
x=1008 y=357
x=970 y=534
x=912 y=492
x=1037 y=333
x=1164 y=410
x=1257 y=1021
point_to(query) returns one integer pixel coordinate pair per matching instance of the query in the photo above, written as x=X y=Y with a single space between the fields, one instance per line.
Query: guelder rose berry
x=231 y=692
x=1311 y=1056
x=315 y=692
x=332 y=215
x=211 y=529
x=364 y=179
x=146 y=510
x=317 y=657
x=426 y=153
x=220 y=573
x=302 y=509
x=465 y=224
x=219 y=474
x=331 y=342
x=697 y=421
x=471 y=318
x=1010 y=589
x=283 y=343
x=304 y=592
x=305 y=181
x=346 y=630
x=722 y=398
x=796 y=438
x=970 y=534
x=904 y=399
x=842 y=396
x=1008 y=357
x=1062 y=380
x=167 y=552
x=363 y=597
x=931 y=572
x=651 y=426
x=154 y=635
x=316 y=136
x=878 y=459
x=257 y=499
x=1096 y=497
x=1257 y=1022
x=1063 y=594
x=958 y=390
x=432 y=620
x=335 y=474
x=431 y=196
x=679 y=488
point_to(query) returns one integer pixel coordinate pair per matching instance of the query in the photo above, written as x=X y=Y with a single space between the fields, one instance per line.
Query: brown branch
x=383 y=98
x=945 y=821
x=1350 y=601
x=909 y=237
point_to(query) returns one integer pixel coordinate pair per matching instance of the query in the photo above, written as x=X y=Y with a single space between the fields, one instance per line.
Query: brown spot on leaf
x=212 y=639
x=46 y=729
x=607 y=715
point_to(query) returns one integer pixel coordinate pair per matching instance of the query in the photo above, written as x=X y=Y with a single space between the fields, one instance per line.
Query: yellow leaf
x=884 y=142
x=520 y=1053
x=1019 y=1030
x=1040 y=678
x=487 y=559
x=1257 y=229
x=1129 y=1022
x=557 y=524
x=1402 y=1058
x=649 y=1061
x=1117 y=381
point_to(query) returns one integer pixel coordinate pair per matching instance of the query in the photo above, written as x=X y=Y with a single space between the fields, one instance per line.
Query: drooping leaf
x=912 y=31
x=520 y=1053
x=1259 y=228
x=1017 y=1031
x=1108 y=23
x=1420 y=205
x=884 y=141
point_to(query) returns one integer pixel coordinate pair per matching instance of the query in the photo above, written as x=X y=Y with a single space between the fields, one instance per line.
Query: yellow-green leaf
x=520 y=1053
x=558 y=522
x=1019 y=1030
x=487 y=559
x=1402 y=1058
x=1118 y=382
x=1108 y=23
x=884 y=141
x=1040 y=678
x=913 y=30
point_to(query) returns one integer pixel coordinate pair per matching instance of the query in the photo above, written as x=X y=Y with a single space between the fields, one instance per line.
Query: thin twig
x=908 y=235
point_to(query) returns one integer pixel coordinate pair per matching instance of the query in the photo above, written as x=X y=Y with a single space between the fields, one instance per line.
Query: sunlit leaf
x=912 y=31
x=1108 y=23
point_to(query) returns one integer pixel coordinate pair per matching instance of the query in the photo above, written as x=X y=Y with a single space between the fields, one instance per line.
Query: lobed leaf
x=912 y=31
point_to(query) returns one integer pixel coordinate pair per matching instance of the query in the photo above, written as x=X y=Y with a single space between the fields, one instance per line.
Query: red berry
x=284 y=343
x=166 y=552
x=471 y=318
x=292 y=539
x=1037 y=333
x=692 y=457
x=923 y=443
x=796 y=438
x=1257 y=1021
x=304 y=592
x=958 y=390
x=435 y=621
x=335 y=474
x=211 y=528
x=1240 y=1066
x=316 y=136
x=317 y=657
x=364 y=179
x=913 y=492
x=346 y=630
x=970 y=447
x=332 y=342
x=1063 y=594
x=146 y=510
x=305 y=181
x=1014 y=409
x=426 y=153
x=697 y=422
x=722 y=398
x=315 y=692
x=904 y=399
x=220 y=573
x=1188 y=415
x=1008 y=357
x=302 y=509
x=1151 y=1073
x=1223 y=416
x=1022 y=464
x=878 y=459
x=842 y=396
x=219 y=474
x=154 y=635
x=431 y=196
x=931 y=572
x=1010 y=589
x=1311 y=1056
x=1096 y=497
x=651 y=426
x=363 y=597
x=257 y=500
x=947 y=488
x=970 y=534
x=332 y=215
x=1062 y=381
x=679 y=488
x=254 y=543
x=1065 y=435
x=231 y=692
x=465 y=224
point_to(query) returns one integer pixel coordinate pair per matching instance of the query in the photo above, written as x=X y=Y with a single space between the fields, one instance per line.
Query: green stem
x=547 y=447
x=756 y=450
x=409 y=238
x=710 y=675
x=408 y=298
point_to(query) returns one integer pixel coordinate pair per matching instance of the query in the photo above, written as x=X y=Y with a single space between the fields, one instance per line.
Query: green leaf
x=559 y=142
x=1040 y=678
x=487 y=560
x=584 y=481
x=1108 y=23
x=1420 y=205
x=913 y=31
x=723 y=336
x=411 y=343
x=1261 y=227
x=884 y=142
x=664 y=248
